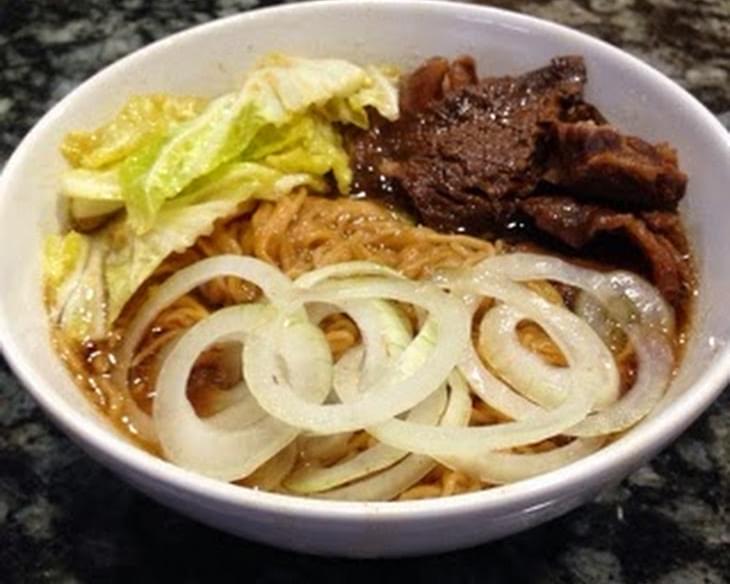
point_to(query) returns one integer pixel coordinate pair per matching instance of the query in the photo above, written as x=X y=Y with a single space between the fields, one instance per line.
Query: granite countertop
x=64 y=518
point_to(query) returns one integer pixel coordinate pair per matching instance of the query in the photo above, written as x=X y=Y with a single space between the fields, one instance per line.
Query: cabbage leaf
x=101 y=271
x=177 y=166
x=280 y=94
x=142 y=118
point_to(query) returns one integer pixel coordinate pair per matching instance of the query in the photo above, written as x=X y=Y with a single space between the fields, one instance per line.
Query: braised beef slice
x=669 y=225
x=476 y=155
x=462 y=152
x=577 y=223
x=597 y=162
x=434 y=79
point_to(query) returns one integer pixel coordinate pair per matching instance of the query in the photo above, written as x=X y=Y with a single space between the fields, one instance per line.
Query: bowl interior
x=210 y=59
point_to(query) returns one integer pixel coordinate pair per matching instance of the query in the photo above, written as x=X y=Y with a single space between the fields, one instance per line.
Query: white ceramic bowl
x=207 y=60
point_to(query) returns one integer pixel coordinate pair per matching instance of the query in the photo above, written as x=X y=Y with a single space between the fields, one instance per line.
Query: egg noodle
x=299 y=233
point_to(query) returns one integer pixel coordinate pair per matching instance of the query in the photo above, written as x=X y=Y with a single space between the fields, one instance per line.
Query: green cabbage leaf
x=165 y=169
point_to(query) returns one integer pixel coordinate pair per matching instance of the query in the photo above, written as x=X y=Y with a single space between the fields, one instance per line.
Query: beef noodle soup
x=344 y=282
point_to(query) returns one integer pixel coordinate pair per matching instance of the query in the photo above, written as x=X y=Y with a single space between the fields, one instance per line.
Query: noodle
x=298 y=233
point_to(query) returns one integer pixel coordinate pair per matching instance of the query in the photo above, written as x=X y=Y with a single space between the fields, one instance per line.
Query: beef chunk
x=598 y=162
x=658 y=237
x=434 y=79
x=583 y=111
x=480 y=155
x=463 y=151
x=424 y=86
x=669 y=225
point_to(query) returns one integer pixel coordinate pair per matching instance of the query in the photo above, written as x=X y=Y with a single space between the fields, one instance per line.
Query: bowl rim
x=626 y=453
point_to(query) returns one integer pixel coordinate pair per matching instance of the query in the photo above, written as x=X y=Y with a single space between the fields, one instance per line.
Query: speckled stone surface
x=63 y=518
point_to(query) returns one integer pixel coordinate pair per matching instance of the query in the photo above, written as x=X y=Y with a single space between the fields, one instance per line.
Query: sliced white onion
x=442 y=442
x=591 y=366
x=506 y=467
x=391 y=482
x=543 y=425
x=392 y=384
x=270 y=474
x=578 y=342
x=376 y=458
x=348 y=382
x=384 y=334
x=654 y=372
x=234 y=407
x=318 y=311
x=345 y=270
x=195 y=444
x=387 y=484
x=449 y=317
x=458 y=410
x=611 y=288
x=492 y=390
x=239 y=409
x=376 y=318
x=272 y=282
x=314 y=447
x=595 y=314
